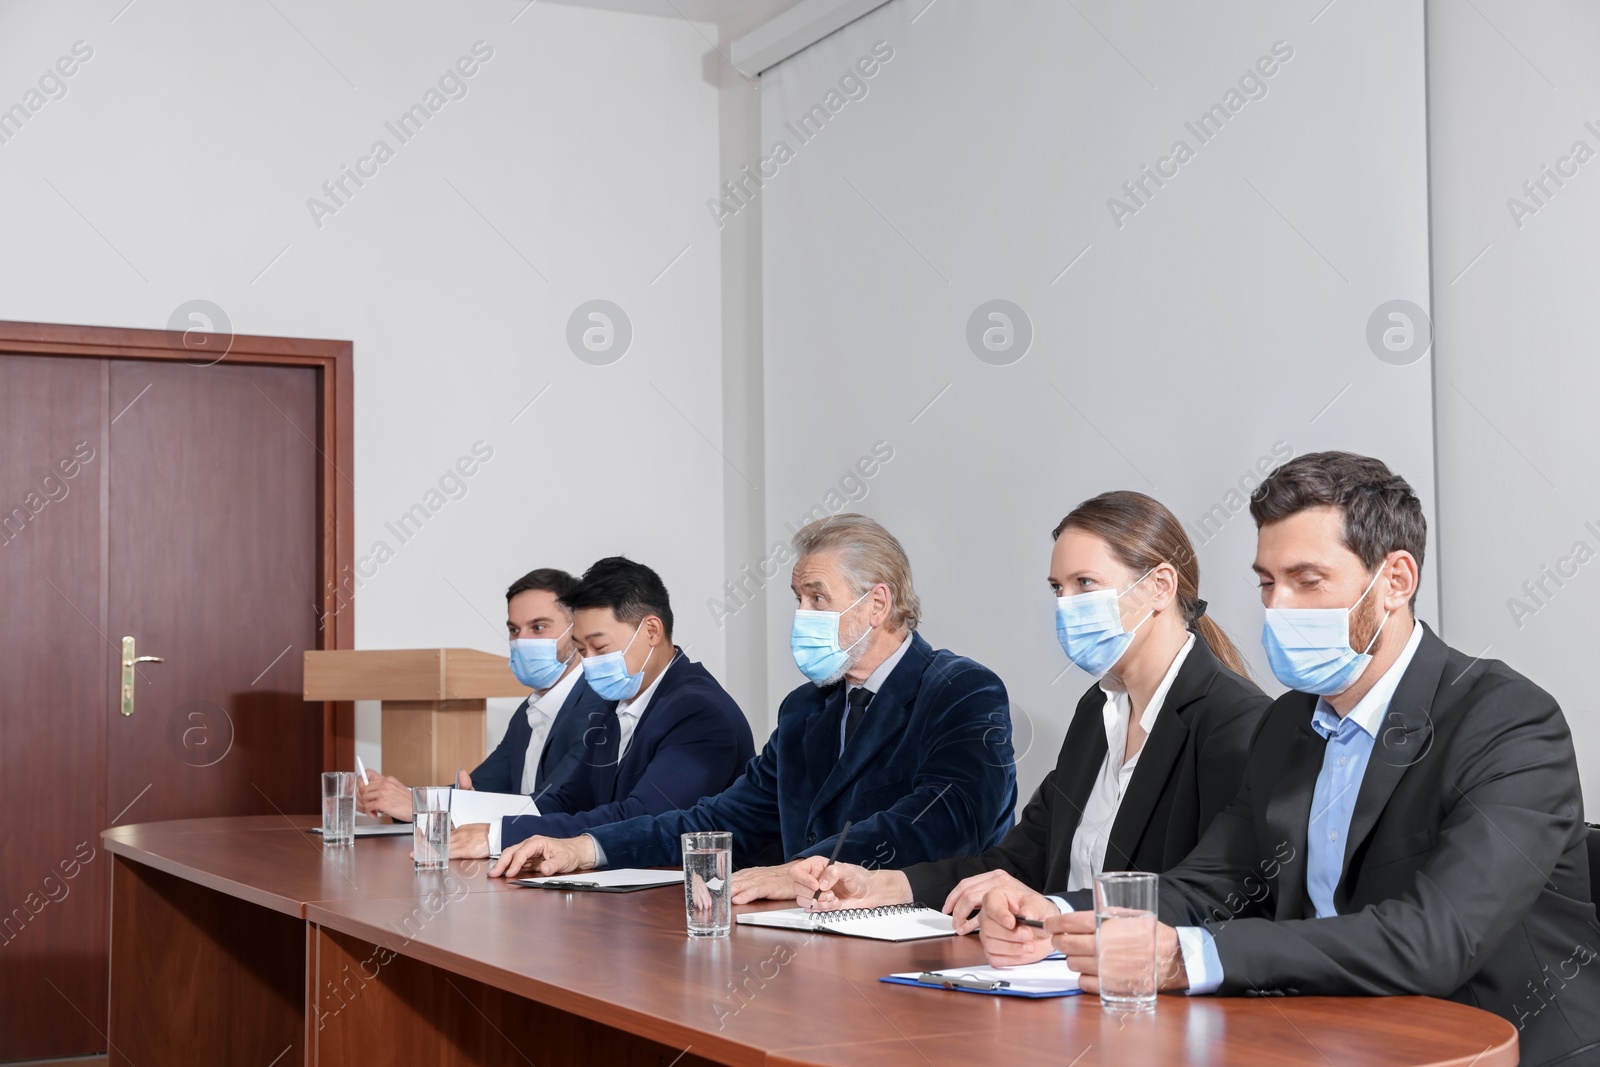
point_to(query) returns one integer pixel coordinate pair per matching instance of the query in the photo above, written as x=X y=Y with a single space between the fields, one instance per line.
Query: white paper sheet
x=472 y=806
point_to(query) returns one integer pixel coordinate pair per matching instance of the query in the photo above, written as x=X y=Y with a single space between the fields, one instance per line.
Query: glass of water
x=707 y=870
x=1125 y=939
x=430 y=827
x=338 y=807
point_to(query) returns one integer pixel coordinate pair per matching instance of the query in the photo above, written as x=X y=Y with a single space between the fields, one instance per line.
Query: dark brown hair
x=545 y=579
x=1143 y=534
x=1381 y=512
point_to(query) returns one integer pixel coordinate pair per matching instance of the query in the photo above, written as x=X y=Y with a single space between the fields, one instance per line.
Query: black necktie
x=860 y=696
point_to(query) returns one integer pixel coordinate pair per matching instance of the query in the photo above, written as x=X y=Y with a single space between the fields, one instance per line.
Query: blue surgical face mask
x=608 y=674
x=535 y=661
x=1089 y=627
x=814 y=641
x=1309 y=648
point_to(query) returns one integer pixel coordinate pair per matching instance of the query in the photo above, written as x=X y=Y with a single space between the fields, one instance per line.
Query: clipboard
x=1050 y=977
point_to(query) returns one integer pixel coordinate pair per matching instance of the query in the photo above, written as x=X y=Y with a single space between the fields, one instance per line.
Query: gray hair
x=868 y=555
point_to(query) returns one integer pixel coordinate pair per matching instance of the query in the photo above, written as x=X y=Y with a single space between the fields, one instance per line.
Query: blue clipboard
x=1047 y=978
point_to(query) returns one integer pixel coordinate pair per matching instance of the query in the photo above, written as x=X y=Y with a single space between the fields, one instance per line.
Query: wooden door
x=186 y=506
x=54 y=665
x=213 y=567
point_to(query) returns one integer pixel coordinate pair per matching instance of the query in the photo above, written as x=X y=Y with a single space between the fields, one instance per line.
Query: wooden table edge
x=227 y=886
x=1503 y=1054
x=706 y=1043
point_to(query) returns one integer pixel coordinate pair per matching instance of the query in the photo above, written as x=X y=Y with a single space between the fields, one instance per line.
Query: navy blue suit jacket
x=563 y=755
x=691 y=741
x=928 y=774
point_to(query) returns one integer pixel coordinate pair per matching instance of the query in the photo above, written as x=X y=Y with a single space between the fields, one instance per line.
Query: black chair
x=1594 y=860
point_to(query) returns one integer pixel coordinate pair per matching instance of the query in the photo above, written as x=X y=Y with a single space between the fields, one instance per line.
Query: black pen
x=837 y=845
x=1023 y=920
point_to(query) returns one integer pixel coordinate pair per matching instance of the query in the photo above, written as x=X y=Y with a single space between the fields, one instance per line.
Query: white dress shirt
x=1094 y=828
x=629 y=712
x=873 y=683
x=541 y=713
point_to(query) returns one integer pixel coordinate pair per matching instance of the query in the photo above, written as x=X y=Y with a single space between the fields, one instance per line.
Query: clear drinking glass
x=338 y=807
x=430 y=827
x=707 y=870
x=1125 y=939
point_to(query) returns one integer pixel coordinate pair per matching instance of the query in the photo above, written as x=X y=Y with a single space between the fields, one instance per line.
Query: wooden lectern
x=433 y=702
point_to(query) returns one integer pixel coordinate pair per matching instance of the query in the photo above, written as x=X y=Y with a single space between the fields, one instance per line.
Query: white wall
x=191 y=141
x=1197 y=336
x=744 y=416
x=1221 y=324
x=1511 y=88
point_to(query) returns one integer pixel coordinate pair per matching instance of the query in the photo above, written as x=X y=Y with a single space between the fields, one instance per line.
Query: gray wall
x=1221 y=326
x=1511 y=88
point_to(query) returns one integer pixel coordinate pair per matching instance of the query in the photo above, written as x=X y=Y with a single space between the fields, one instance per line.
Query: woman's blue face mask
x=1089 y=627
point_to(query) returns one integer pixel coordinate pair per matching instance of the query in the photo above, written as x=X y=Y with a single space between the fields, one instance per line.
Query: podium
x=433 y=702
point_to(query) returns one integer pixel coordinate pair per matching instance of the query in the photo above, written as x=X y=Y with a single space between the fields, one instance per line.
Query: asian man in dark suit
x=544 y=743
x=1156 y=747
x=910 y=744
x=1410 y=821
x=671 y=734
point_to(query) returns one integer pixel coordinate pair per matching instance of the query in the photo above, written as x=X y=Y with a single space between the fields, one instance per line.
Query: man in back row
x=911 y=745
x=597 y=740
x=1410 y=821
x=672 y=734
x=544 y=743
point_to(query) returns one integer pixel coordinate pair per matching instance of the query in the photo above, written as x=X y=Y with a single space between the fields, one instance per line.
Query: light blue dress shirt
x=1344 y=764
x=1333 y=801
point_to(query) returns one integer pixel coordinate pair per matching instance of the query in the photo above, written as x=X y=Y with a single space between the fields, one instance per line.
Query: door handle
x=129 y=661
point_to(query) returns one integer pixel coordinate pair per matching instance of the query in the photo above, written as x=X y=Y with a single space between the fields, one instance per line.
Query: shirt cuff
x=599 y=853
x=494 y=836
x=1200 y=960
x=1061 y=904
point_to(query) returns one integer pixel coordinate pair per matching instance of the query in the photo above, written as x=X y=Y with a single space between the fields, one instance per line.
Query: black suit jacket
x=1465 y=872
x=1188 y=771
x=563 y=755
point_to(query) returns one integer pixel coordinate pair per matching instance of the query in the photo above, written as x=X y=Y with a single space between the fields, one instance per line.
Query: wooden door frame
x=332 y=360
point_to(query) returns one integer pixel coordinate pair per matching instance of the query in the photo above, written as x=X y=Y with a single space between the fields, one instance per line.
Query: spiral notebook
x=894 y=922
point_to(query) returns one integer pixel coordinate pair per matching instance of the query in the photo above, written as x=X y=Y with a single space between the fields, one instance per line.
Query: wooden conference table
x=242 y=941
